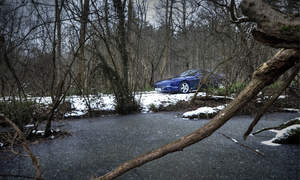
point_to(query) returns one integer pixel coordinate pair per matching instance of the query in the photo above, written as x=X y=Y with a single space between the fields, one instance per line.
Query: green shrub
x=221 y=91
x=237 y=87
x=276 y=85
x=20 y=112
x=153 y=108
x=149 y=88
x=272 y=88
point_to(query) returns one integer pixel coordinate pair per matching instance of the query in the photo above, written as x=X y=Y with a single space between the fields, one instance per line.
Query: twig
x=264 y=129
x=243 y=145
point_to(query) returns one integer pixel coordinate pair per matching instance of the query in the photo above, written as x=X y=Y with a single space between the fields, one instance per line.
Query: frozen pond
x=98 y=145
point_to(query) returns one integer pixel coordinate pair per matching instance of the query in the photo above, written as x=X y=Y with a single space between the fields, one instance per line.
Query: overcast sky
x=151 y=14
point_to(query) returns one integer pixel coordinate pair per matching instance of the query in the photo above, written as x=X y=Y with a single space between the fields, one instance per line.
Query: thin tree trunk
x=59 y=42
x=168 y=19
x=265 y=75
x=81 y=60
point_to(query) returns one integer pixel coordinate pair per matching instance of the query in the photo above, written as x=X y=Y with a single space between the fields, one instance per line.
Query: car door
x=194 y=81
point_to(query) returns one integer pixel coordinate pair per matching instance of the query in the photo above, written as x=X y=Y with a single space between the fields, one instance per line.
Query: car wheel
x=184 y=87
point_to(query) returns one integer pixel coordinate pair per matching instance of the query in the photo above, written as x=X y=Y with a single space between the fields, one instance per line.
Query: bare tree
x=113 y=29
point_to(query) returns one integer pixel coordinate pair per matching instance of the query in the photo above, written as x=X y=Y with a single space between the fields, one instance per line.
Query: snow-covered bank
x=156 y=99
x=282 y=135
x=203 y=112
x=106 y=102
x=147 y=100
x=286 y=133
x=80 y=105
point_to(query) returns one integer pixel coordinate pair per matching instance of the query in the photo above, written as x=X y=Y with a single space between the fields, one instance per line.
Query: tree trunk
x=81 y=61
x=168 y=21
x=58 y=59
x=265 y=75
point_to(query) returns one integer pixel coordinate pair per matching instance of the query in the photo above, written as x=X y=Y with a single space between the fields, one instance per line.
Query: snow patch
x=203 y=111
x=282 y=97
x=29 y=126
x=270 y=143
x=157 y=99
x=39 y=132
x=234 y=140
x=75 y=113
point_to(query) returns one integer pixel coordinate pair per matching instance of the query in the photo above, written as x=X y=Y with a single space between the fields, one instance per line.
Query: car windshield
x=189 y=73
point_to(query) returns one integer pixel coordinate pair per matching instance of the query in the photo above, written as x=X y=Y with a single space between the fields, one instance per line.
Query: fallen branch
x=286 y=83
x=17 y=176
x=243 y=145
x=265 y=75
x=35 y=160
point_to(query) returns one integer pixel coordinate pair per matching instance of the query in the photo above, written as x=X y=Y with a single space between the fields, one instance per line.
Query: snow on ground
x=29 y=126
x=107 y=101
x=291 y=110
x=156 y=99
x=203 y=112
x=79 y=104
x=281 y=134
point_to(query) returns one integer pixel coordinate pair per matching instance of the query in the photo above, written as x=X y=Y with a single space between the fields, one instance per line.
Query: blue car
x=186 y=82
